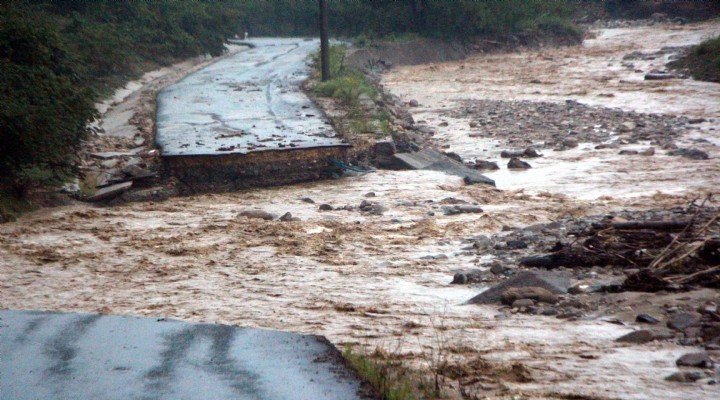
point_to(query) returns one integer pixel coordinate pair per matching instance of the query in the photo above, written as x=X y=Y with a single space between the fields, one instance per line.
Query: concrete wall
x=268 y=168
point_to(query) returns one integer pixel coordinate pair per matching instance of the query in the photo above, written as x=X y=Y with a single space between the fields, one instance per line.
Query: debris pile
x=656 y=254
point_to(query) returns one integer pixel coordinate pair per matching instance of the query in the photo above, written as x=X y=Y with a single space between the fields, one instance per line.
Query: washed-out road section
x=251 y=101
x=83 y=356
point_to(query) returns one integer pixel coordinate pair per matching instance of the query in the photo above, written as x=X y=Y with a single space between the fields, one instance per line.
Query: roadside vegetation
x=57 y=58
x=703 y=61
x=354 y=94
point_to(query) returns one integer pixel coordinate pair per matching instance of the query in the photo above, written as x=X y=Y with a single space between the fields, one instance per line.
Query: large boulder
x=553 y=282
x=535 y=293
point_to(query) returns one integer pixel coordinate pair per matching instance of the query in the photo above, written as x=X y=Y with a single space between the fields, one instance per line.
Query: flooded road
x=250 y=101
x=381 y=281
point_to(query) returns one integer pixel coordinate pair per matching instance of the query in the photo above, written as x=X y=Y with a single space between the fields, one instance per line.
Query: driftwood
x=651 y=225
x=668 y=255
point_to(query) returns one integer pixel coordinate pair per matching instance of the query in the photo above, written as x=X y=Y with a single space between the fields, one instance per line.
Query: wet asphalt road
x=76 y=356
x=248 y=102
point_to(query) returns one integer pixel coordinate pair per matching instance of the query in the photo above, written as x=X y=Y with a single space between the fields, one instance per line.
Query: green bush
x=703 y=62
x=57 y=58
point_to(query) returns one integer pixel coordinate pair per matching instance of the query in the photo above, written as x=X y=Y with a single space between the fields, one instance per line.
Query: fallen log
x=650 y=225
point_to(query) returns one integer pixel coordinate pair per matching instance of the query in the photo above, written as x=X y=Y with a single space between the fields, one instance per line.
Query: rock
x=498 y=269
x=473 y=124
x=579 y=288
x=628 y=152
x=287 y=217
x=454 y=156
x=137 y=161
x=511 y=154
x=606 y=146
x=462 y=209
x=413 y=103
x=112 y=163
x=644 y=336
x=308 y=200
x=372 y=208
x=139 y=140
x=370 y=194
x=698 y=360
x=516 y=244
x=535 y=293
x=627 y=126
x=257 y=214
x=516 y=163
x=530 y=152
x=648 y=152
x=696 y=120
x=459 y=278
x=485 y=165
x=685 y=376
x=570 y=143
x=693 y=154
x=326 y=207
x=548 y=311
x=659 y=76
x=135 y=171
x=646 y=319
x=555 y=283
x=523 y=303
x=464 y=277
x=682 y=321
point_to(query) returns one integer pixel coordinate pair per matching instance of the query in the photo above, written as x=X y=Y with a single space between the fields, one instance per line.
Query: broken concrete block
x=431 y=160
x=110 y=192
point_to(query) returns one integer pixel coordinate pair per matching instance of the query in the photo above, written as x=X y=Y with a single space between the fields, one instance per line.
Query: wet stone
x=685 y=376
x=682 y=321
x=628 y=152
x=287 y=217
x=647 y=319
x=462 y=209
x=693 y=154
x=326 y=207
x=516 y=163
x=533 y=293
x=523 y=303
x=308 y=200
x=257 y=214
x=516 y=245
x=644 y=336
x=485 y=165
x=698 y=360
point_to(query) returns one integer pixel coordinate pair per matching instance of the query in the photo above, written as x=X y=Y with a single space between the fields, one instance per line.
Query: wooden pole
x=324 y=41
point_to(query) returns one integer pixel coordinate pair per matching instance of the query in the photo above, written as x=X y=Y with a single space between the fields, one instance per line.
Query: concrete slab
x=75 y=356
x=249 y=102
x=111 y=191
x=432 y=160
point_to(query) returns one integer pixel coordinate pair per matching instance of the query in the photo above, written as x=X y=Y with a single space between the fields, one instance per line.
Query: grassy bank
x=703 y=61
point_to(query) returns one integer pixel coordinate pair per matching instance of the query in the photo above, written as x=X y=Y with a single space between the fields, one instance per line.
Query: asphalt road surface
x=76 y=356
x=248 y=102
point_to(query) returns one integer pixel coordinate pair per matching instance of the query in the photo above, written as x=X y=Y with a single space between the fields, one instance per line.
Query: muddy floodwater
x=382 y=281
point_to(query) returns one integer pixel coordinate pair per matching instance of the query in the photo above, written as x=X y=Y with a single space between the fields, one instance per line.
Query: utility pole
x=324 y=41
